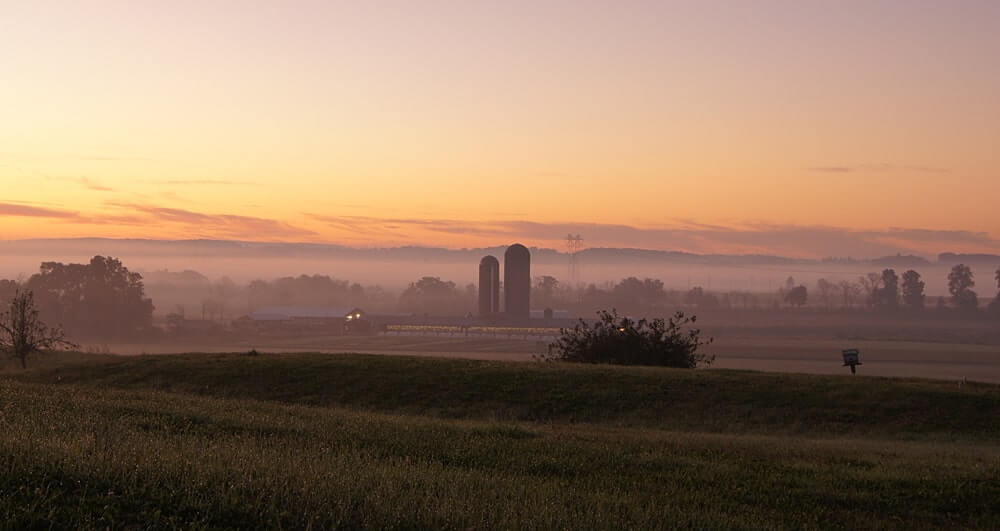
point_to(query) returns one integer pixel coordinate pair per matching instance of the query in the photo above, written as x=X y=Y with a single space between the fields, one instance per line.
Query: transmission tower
x=573 y=245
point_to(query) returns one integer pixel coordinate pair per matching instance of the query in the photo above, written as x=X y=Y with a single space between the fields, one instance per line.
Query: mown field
x=348 y=441
x=816 y=354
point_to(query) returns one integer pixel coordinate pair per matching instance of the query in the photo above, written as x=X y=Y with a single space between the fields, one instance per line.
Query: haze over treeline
x=220 y=280
x=393 y=269
x=102 y=299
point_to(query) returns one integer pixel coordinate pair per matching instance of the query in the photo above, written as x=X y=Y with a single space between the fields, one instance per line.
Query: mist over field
x=476 y=265
x=394 y=268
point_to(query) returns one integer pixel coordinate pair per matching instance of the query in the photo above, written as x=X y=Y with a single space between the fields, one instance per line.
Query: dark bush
x=624 y=341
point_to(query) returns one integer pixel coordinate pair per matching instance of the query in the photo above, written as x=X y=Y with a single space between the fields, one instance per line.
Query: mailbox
x=852 y=358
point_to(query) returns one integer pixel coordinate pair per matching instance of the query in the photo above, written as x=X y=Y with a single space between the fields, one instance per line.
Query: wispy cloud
x=926 y=169
x=16 y=209
x=24 y=210
x=832 y=169
x=683 y=235
x=215 y=225
x=203 y=182
x=96 y=157
x=882 y=167
x=85 y=182
x=107 y=158
x=936 y=236
x=191 y=223
x=90 y=184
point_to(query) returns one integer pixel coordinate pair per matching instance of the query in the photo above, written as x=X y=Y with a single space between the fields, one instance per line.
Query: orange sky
x=705 y=126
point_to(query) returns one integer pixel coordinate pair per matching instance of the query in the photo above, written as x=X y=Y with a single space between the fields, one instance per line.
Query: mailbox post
x=852 y=358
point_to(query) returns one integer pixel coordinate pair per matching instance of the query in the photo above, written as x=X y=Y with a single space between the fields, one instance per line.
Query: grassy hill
x=322 y=441
x=675 y=399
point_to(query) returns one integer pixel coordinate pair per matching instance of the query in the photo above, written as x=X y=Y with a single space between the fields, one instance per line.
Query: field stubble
x=343 y=441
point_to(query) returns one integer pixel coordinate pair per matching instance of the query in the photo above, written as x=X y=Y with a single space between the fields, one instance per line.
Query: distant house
x=337 y=320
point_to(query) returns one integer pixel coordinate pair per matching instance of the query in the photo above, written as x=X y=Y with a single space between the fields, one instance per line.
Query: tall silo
x=489 y=286
x=517 y=282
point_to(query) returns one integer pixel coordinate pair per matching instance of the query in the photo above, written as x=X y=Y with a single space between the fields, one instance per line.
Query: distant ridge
x=953 y=258
x=601 y=255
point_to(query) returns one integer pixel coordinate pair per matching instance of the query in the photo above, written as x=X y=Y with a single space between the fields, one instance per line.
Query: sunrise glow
x=704 y=126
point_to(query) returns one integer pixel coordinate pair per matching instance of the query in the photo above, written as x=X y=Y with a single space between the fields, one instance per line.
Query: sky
x=803 y=128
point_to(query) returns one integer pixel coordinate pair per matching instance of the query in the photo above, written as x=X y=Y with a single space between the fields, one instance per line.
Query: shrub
x=623 y=341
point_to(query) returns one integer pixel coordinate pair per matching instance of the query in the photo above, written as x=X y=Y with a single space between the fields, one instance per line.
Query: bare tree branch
x=22 y=333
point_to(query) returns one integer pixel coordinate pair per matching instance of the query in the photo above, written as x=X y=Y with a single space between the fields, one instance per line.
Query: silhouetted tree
x=432 y=295
x=797 y=296
x=315 y=290
x=913 y=290
x=960 y=284
x=639 y=292
x=377 y=297
x=783 y=290
x=225 y=293
x=745 y=298
x=826 y=290
x=624 y=341
x=257 y=293
x=8 y=288
x=356 y=295
x=871 y=283
x=100 y=298
x=593 y=296
x=994 y=307
x=888 y=296
x=308 y=290
x=850 y=291
x=22 y=333
x=697 y=296
x=544 y=290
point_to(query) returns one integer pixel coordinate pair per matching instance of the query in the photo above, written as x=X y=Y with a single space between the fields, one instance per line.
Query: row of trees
x=224 y=299
x=104 y=299
x=887 y=291
x=611 y=339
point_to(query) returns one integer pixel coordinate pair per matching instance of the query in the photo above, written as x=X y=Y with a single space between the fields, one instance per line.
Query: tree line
x=889 y=292
x=102 y=298
x=884 y=292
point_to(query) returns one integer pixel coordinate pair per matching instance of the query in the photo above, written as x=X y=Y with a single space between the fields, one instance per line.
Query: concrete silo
x=517 y=282
x=489 y=286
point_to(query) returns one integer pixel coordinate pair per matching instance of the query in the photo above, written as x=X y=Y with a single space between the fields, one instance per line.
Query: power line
x=574 y=242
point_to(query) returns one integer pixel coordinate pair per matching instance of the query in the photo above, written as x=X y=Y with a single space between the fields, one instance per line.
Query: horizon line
x=469 y=249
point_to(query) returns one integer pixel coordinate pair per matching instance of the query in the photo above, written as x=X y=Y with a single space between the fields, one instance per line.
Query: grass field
x=816 y=354
x=313 y=440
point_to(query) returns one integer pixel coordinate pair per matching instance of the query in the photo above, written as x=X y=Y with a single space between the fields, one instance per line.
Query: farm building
x=342 y=320
x=551 y=314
